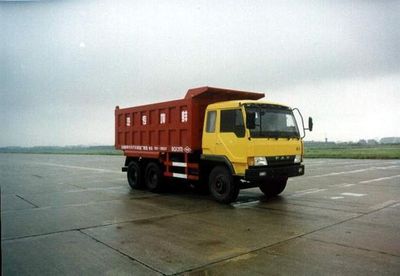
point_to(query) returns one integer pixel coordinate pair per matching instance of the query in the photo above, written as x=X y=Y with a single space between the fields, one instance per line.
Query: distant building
x=372 y=142
x=390 y=140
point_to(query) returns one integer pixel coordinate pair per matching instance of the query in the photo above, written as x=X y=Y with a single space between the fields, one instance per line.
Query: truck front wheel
x=223 y=186
x=134 y=175
x=153 y=177
x=273 y=187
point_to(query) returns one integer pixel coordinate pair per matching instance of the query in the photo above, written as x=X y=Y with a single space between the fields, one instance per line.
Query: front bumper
x=262 y=173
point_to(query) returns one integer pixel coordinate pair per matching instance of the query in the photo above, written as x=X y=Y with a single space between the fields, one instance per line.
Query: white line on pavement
x=343 y=185
x=339 y=173
x=353 y=194
x=379 y=179
x=78 y=168
x=353 y=171
x=396 y=205
x=245 y=204
x=386 y=168
x=348 y=185
x=305 y=192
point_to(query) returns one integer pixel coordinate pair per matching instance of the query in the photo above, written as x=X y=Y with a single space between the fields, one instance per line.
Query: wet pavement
x=70 y=214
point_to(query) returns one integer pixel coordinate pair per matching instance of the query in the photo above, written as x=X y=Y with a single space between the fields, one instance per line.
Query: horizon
x=112 y=145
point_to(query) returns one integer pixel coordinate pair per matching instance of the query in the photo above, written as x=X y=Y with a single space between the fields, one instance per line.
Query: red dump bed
x=173 y=126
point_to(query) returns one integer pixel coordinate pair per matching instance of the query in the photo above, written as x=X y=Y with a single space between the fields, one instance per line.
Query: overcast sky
x=64 y=66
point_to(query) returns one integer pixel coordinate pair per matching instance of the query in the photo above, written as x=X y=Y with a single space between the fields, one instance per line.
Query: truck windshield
x=273 y=121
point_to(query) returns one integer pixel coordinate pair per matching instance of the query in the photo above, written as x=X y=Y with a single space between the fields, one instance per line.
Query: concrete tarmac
x=76 y=215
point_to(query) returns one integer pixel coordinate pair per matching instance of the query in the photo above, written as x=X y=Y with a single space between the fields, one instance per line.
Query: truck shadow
x=189 y=191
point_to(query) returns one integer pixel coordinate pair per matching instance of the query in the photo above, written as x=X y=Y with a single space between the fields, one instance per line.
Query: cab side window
x=211 y=119
x=232 y=121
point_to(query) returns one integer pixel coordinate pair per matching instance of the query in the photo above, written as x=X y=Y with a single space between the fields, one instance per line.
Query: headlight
x=260 y=161
x=297 y=159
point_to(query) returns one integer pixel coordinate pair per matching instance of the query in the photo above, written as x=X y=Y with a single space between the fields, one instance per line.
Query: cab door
x=209 y=133
x=231 y=138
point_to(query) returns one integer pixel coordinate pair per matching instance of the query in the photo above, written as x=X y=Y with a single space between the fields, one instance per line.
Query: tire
x=222 y=185
x=134 y=175
x=273 y=187
x=153 y=177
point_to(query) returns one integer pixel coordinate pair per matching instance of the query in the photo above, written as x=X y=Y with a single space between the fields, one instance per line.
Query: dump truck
x=221 y=140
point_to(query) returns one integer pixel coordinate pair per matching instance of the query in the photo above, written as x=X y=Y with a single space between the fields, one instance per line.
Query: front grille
x=283 y=160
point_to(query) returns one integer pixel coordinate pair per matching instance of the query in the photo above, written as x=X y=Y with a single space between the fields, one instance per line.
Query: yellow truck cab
x=259 y=141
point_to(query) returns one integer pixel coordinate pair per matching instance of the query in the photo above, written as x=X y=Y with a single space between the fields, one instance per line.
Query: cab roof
x=236 y=103
x=221 y=94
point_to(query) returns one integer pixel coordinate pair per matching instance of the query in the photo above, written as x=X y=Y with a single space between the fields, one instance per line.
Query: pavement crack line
x=142 y=219
x=76 y=204
x=36 y=235
x=34 y=205
x=122 y=253
x=353 y=247
x=290 y=239
x=304 y=205
x=97 y=226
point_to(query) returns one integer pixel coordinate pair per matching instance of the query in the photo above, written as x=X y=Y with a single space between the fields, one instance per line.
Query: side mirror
x=251 y=120
x=310 y=124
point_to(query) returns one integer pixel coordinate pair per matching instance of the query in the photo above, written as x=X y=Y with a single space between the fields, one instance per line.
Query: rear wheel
x=222 y=185
x=134 y=175
x=273 y=187
x=153 y=177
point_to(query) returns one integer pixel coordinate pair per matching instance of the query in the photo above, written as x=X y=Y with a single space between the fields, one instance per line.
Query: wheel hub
x=220 y=185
